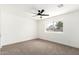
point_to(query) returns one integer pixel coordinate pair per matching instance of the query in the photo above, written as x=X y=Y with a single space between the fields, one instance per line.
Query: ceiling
x=50 y=9
x=53 y=10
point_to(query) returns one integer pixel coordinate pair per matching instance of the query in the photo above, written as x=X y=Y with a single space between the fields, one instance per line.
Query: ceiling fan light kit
x=60 y=5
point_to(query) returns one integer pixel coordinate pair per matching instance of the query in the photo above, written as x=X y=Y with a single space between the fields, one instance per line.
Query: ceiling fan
x=41 y=13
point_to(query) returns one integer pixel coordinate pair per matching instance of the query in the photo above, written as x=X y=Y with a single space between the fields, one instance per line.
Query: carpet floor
x=38 y=47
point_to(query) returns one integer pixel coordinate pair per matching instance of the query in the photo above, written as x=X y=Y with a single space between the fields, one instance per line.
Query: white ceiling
x=50 y=9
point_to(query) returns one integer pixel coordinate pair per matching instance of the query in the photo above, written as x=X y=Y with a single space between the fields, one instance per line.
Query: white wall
x=16 y=26
x=0 y=28
x=70 y=36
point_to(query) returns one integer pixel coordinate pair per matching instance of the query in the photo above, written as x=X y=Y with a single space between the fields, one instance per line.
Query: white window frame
x=49 y=20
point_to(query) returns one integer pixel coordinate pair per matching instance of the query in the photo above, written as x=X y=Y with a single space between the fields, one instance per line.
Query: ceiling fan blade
x=42 y=11
x=45 y=15
x=34 y=15
x=39 y=11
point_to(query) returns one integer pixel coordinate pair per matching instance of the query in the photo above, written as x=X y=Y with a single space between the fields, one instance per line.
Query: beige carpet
x=38 y=47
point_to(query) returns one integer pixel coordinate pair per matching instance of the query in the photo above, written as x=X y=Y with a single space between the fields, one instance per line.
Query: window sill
x=52 y=32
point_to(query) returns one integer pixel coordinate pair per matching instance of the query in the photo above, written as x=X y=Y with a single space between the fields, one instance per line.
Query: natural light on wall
x=53 y=25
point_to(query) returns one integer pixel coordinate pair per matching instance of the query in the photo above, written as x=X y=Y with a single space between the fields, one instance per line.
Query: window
x=54 y=25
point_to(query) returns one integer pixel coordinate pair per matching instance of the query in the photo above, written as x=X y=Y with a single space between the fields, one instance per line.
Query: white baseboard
x=59 y=42
x=22 y=40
